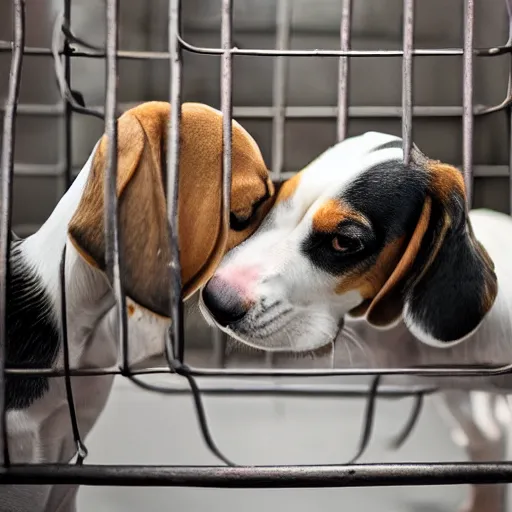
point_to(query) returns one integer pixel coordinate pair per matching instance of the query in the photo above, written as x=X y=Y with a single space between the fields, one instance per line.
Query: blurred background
x=140 y=427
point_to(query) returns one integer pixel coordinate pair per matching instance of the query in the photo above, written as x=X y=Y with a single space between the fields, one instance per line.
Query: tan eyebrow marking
x=328 y=216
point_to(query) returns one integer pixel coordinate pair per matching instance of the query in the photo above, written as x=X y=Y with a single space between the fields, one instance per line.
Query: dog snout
x=225 y=301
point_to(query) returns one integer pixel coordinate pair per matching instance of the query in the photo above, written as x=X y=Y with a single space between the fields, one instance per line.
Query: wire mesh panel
x=65 y=47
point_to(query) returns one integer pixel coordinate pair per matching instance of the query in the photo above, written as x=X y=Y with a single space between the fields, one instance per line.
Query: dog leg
x=479 y=427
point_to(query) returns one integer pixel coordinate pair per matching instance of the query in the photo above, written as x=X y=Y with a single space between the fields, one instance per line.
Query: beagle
x=392 y=249
x=37 y=410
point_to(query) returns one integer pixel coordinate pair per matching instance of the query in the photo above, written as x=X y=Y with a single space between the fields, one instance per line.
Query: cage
x=299 y=76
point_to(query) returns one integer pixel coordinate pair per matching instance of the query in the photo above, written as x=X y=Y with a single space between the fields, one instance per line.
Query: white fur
x=42 y=432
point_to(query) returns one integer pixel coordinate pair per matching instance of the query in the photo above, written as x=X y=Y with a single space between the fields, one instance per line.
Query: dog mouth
x=262 y=329
x=273 y=327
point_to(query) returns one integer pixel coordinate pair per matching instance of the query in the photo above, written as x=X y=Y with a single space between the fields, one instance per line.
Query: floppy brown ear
x=144 y=246
x=445 y=281
x=142 y=171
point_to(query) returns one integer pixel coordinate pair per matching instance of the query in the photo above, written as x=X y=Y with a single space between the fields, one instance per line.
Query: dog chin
x=307 y=336
x=283 y=342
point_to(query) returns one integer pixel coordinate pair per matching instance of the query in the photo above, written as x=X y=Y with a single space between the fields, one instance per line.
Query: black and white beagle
x=357 y=232
x=393 y=250
x=37 y=411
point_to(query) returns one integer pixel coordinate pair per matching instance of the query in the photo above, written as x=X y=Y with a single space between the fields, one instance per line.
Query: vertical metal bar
x=408 y=42
x=283 y=20
x=226 y=103
x=7 y=167
x=112 y=257
x=68 y=111
x=175 y=65
x=344 y=70
x=467 y=100
x=508 y=3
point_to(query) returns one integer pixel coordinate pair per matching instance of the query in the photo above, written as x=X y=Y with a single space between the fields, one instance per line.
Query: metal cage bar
x=175 y=69
x=263 y=477
x=493 y=51
x=112 y=250
x=283 y=21
x=226 y=105
x=7 y=168
x=407 y=63
x=467 y=99
x=68 y=110
x=344 y=71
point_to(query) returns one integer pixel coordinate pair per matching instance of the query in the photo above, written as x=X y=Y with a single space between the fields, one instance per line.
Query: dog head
x=141 y=183
x=357 y=232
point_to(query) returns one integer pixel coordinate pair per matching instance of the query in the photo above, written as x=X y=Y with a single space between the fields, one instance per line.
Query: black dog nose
x=224 y=302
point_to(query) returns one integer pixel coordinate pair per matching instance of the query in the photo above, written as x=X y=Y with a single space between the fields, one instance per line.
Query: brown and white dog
x=37 y=411
x=357 y=234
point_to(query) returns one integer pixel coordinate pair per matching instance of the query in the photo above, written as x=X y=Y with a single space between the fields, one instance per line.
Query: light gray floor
x=139 y=427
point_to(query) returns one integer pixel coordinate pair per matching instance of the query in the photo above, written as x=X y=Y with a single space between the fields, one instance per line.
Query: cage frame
x=352 y=475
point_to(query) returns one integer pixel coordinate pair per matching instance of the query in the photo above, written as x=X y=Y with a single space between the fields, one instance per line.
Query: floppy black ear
x=454 y=284
x=445 y=282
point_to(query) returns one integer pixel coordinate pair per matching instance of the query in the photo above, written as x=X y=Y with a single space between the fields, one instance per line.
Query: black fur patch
x=33 y=337
x=447 y=301
x=391 y=198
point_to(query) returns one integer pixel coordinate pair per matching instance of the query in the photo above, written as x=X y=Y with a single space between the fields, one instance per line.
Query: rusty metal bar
x=340 y=53
x=263 y=477
x=283 y=21
x=494 y=51
x=294 y=112
x=226 y=102
x=7 y=170
x=175 y=67
x=112 y=256
x=467 y=99
x=407 y=69
x=344 y=70
x=68 y=110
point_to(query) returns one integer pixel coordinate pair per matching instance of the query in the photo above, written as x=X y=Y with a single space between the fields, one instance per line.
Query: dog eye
x=239 y=223
x=346 y=245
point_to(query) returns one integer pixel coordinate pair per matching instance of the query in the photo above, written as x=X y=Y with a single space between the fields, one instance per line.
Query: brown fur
x=369 y=282
x=142 y=139
x=331 y=213
x=445 y=183
x=446 y=180
x=288 y=188
x=385 y=307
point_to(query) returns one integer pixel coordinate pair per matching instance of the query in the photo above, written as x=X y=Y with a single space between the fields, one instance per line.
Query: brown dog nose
x=224 y=302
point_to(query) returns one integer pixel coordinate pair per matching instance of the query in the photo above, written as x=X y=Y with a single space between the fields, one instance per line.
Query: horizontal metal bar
x=300 y=391
x=316 y=112
x=6 y=46
x=345 y=390
x=261 y=477
x=58 y=170
x=438 y=371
